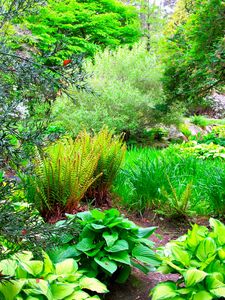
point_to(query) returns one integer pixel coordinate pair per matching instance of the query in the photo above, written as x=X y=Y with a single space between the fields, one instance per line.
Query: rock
x=195 y=130
x=175 y=135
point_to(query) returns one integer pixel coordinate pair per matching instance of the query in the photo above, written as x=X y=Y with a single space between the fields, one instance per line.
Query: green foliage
x=127 y=90
x=73 y=27
x=109 y=245
x=171 y=182
x=111 y=154
x=203 y=151
x=198 y=259
x=199 y=121
x=42 y=279
x=62 y=177
x=21 y=227
x=194 y=62
x=70 y=170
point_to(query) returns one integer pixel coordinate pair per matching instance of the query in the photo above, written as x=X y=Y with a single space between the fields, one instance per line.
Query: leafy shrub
x=37 y=279
x=109 y=245
x=198 y=259
x=127 y=89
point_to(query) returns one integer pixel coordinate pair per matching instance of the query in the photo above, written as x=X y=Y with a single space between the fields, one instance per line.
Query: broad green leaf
x=110 y=238
x=219 y=229
x=85 y=216
x=180 y=255
x=78 y=295
x=33 y=267
x=98 y=226
x=206 y=249
x=163 y=291
x=48 y=265
x=23 y=256
x=121 y=256
x=202 y=295
x=11 y=289
x=219 y=292
x=194 y=276
x=97 y=214
x=61 y=253
x=68 y=266
x=37 y=287
x=221 y=253
x=85 y=244
x=106 y=264
x=214 y=281
x=145 y=255
x=61 y=290
x=119 y=245
x=145 y=232
x=93 y=284
x=196 y=235
x=8 y=267
x=112 y=213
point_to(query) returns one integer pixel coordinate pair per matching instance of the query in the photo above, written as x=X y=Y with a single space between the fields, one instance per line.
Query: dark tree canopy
x=195 y=59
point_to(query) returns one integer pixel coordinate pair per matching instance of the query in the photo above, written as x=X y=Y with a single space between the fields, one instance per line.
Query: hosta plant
x=199 y=259
x=203 y=151
x=109 y=245
x=43 y=280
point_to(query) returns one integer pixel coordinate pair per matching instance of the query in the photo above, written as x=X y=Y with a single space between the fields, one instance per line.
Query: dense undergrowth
x=179 y=181
x=69 y=110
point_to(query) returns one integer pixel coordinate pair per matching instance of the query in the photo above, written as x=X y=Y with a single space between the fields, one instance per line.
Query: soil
x=139 y=285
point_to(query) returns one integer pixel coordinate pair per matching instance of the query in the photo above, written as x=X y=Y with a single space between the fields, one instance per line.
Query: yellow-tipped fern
x=112 y=152
x=63 y=176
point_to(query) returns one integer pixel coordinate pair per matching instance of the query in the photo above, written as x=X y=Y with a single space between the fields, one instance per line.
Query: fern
x=63 y=176
x=112 y=152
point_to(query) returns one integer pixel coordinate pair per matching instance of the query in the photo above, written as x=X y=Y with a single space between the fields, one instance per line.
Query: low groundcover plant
x=198 y=258
x=41 y=279
x=109 y=245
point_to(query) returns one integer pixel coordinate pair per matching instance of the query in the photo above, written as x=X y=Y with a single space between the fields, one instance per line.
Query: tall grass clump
x=170 y=184
x=126 y=87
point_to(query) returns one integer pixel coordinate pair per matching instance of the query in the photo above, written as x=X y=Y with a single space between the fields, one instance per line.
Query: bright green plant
x=42 y=279
x=219 y=131
x=112 y=152
x=198 y=259
x=203 y=151
x=177 y=200
x=109 y=245
x=159 y=180
x=185 y=130
x=200 y=121
x=73 y=27
x=63 y=176
x=130 y=75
